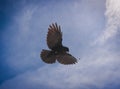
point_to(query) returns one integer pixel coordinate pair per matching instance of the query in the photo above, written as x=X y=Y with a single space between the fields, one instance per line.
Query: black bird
x=57 y=50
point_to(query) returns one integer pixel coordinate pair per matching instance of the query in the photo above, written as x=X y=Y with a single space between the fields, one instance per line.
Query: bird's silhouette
x=57 y=50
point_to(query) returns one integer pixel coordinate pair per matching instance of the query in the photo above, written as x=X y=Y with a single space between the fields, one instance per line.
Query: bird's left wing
x=54 y=36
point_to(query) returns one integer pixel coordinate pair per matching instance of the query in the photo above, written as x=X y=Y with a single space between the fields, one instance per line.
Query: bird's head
x=66 y=49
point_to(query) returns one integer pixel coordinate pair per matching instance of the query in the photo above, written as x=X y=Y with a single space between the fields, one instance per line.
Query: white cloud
x=97 y=67
x=113 y=21
x=29 y=28
x=23 y=40
x=98 y=71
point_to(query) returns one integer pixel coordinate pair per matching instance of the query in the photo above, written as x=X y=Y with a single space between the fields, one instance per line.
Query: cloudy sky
x=91 y=30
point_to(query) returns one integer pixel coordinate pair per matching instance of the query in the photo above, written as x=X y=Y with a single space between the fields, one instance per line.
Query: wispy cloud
x=23 y=40
x=98 y=71
x=98 y=66
x=113 y=21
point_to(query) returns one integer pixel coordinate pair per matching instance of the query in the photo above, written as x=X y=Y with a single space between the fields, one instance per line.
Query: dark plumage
x=57 y=50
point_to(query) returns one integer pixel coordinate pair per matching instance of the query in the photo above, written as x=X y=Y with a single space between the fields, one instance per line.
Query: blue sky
x=91 y=30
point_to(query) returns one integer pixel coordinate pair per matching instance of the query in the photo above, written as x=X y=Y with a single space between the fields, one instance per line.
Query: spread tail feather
x=47 y=57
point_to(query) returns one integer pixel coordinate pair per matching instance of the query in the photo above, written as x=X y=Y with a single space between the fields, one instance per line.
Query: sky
x=91 y=30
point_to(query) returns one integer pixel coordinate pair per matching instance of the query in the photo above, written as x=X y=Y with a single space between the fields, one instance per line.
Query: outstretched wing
x=65 y=58
x=54 y=36
x=46 y=57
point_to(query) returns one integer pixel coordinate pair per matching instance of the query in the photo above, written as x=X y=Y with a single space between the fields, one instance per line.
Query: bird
x=56 y=52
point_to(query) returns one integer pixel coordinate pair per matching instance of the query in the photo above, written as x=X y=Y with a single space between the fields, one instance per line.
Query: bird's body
x=57 y=50
x=60 y=49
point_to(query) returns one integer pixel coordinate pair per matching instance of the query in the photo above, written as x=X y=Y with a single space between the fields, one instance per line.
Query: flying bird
x=57 y=50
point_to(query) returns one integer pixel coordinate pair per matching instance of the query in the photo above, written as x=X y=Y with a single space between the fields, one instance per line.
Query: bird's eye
x=56 y=52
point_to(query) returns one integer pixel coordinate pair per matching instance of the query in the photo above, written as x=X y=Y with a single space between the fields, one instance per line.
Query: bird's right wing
x=66 y=58
x=54 y=36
